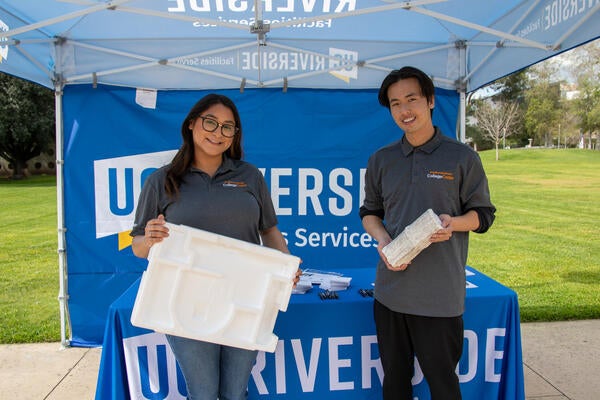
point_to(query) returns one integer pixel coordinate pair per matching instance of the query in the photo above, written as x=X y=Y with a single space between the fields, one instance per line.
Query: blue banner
x=311 y=145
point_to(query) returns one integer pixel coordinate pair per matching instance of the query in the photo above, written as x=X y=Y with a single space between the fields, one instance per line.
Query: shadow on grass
x=586 y=277
x=550 y=313
x=33 y=181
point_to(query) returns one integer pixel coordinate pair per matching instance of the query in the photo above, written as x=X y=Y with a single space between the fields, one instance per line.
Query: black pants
x=437 y=343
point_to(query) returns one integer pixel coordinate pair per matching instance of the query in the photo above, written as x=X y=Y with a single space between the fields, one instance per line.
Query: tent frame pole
x=61 y=229
x=463 y=116
x=461 y=86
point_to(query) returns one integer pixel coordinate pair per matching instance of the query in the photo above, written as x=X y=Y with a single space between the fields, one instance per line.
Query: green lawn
x=28 y=261
x=544 y=243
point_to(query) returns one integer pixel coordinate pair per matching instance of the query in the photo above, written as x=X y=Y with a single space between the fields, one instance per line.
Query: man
x=418 y=306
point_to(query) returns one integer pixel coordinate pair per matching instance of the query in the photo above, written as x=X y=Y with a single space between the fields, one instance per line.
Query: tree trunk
x=497 y=155
x=18 y=170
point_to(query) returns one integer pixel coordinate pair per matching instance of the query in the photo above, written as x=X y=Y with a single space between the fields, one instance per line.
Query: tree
x=478 y=138
x=509 y=89
x=26 y=121
x=567 y=132
x=497 y=120
x=544 y=106
x=587 y=104
x=545 y=114
x=512 y=87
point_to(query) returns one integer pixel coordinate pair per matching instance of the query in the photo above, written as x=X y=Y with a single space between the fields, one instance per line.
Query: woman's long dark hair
x=185 y=156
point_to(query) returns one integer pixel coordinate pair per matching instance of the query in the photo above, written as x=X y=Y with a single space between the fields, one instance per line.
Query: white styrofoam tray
x=214 y=288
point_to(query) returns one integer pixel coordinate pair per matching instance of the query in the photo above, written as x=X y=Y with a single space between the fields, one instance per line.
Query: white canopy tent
x=321 y=44
x=187 y=44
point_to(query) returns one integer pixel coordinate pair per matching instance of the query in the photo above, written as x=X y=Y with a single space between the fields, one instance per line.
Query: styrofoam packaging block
x=214 y=288
x=413 y=239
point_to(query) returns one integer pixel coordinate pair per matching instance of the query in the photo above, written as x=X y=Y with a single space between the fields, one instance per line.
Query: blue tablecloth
x=327 y=349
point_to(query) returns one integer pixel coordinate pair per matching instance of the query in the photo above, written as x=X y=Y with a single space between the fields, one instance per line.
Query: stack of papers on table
x=326 y=280
x=303 y=286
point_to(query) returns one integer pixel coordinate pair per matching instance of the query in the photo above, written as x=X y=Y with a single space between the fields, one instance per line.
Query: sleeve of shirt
x=268 y=218
x=148 y=206
x=475 y=194
x=373 y=202
x=486 y=218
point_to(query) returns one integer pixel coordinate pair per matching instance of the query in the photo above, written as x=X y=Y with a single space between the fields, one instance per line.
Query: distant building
x=569 y=91
x=45 y=163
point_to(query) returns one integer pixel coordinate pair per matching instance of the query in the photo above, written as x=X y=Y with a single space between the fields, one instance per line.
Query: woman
x=207 y=186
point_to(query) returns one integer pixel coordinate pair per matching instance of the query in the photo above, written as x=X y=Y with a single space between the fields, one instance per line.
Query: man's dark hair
x=396 y=75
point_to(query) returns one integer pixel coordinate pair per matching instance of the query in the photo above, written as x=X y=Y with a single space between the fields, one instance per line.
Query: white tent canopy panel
x=339 y=44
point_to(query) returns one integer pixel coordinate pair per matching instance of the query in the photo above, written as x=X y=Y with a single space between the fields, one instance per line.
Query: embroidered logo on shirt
x=234 y=184
x=449 y=176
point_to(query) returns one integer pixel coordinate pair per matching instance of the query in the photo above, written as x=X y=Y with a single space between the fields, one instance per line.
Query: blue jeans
x=211 y=370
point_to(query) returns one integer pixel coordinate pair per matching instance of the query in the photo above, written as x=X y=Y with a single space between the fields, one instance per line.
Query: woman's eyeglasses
x=210 y=125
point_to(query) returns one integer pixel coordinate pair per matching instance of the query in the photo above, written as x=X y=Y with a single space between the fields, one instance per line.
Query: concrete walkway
x=561 y=361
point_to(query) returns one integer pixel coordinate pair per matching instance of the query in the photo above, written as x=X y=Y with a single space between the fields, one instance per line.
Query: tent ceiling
x=337 y=44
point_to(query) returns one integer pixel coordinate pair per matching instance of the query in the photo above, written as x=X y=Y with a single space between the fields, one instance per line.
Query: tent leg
x=463 y=117
x=62 y=265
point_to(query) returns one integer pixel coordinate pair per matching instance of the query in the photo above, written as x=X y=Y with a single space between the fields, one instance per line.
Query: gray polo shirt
x=235 y=202
x=403 y=182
